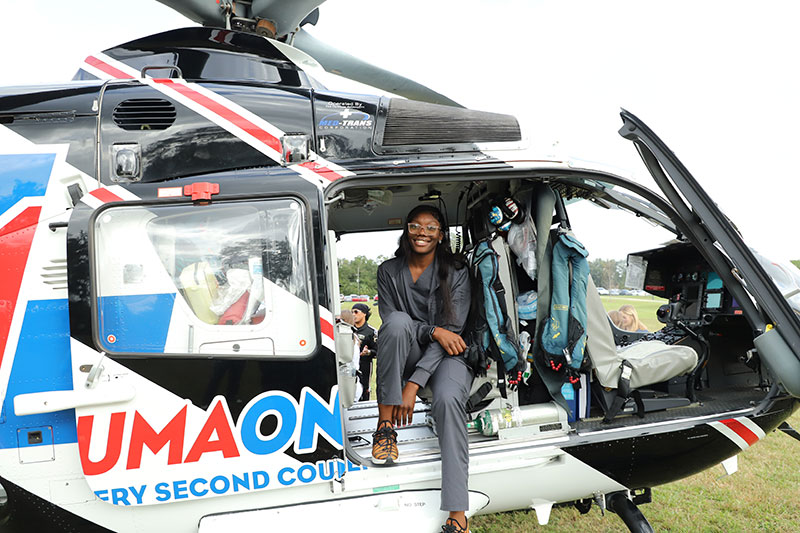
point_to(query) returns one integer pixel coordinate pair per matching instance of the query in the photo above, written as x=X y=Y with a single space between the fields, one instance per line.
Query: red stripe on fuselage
x=105 y=196
x=326 y=327
x=321 y=170
x=15 y=243
x=225 y=113
x=740 y=429
x=108 y=69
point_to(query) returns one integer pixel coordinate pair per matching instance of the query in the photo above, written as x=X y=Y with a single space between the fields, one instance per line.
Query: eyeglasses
x=355 y=311
x=416 y=229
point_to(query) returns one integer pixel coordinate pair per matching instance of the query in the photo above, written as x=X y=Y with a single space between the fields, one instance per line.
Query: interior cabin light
x=295 y=148
x=126 y=162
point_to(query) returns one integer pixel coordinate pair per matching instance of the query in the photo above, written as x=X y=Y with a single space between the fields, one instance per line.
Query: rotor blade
x=345 y=65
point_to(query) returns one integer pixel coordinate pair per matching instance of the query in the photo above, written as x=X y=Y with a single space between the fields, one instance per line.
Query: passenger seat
x=622 y=371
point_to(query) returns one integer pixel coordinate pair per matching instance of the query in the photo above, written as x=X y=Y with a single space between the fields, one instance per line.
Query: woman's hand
x=403 y=413
x=452 y=343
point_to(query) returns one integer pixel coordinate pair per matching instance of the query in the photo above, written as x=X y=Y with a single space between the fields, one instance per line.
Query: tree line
x=359 y=275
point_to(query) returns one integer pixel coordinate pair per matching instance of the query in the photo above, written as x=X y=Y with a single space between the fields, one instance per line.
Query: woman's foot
x=384 y=444
x=452 y=525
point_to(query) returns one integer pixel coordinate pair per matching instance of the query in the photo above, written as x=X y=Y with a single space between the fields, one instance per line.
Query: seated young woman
x=423 y=300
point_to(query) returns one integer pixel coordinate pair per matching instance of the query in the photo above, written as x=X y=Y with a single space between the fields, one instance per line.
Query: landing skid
x=623 y=506
x=789 y=430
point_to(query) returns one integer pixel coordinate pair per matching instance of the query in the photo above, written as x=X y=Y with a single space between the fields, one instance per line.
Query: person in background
x=424 y=299
x=630 y=319
x=347 y=316
x=368 y=339
x=616 y=318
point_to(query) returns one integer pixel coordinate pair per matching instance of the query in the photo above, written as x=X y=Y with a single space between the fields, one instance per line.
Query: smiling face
x=627 y=321
x=423 y=241
x=629 y=318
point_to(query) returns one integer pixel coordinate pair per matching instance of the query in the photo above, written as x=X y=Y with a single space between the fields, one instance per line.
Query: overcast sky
x=717 y=80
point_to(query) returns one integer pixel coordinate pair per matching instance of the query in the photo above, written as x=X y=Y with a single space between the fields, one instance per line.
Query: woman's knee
x=450 y=388
x=448 y=401
x=396 y=323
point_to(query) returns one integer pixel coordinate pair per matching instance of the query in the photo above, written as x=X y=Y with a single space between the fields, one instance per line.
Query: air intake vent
x=144 y=114
x=414 y=123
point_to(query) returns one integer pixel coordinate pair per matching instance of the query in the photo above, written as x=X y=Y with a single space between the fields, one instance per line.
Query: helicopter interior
x=702 y=352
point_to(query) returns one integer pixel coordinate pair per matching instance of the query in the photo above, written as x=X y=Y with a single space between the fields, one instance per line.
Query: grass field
x=646 y=307
x=761 y=496
x=764 y=495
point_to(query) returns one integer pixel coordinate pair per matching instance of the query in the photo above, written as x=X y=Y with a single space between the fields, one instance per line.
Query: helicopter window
x=221 y=280
x=200 y=64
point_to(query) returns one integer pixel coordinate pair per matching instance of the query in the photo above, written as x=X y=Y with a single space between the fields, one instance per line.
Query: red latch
x=201 y=190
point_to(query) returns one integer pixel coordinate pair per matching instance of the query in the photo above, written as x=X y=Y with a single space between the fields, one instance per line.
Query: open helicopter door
x=203 y=363
x=776 y=324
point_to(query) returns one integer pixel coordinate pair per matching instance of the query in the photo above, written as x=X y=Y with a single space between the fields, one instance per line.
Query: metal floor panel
x=709 y=403
x=418 y=441
x=413 y=441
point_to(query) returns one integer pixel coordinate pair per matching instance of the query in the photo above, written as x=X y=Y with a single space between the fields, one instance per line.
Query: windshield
x=786 y=277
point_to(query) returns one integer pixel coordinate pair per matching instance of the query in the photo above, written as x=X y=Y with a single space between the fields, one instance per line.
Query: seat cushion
x=656 y=361
x=652 y=361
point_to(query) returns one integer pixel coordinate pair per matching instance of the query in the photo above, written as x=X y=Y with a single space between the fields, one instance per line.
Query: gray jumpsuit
x=406 y=352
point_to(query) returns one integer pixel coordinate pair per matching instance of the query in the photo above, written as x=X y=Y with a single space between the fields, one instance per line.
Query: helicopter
x=171 y=358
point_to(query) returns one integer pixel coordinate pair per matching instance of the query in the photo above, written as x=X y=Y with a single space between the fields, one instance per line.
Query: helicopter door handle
x=60 y=400
x=161 y=67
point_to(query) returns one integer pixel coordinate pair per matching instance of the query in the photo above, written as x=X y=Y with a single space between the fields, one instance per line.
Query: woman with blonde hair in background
x=616 y=318
x=630 y=319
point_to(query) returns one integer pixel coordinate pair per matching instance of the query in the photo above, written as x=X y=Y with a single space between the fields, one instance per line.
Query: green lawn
x=646 y=307
x=761 y=496
x=374 y=319
x=764 y=495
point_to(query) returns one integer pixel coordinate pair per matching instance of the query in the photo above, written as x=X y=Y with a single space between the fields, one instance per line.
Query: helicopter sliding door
x=773 y=319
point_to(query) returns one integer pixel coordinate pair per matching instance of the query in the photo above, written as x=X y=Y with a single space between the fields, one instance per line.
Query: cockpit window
x=786 y=277
x=215 y=65
x=227 y=279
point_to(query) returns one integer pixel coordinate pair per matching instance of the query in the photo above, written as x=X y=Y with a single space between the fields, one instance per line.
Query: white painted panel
x=402 y=512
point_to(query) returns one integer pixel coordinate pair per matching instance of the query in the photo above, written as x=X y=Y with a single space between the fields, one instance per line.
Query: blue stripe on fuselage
x=42 y=363
x=23 y=175
x=139 y=323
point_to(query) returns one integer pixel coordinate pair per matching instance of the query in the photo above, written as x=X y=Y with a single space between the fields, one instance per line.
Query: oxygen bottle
x=490 y=422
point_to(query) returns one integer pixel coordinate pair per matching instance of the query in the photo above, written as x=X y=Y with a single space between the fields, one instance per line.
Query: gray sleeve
x=423 y=332
x=387 y=303
x=428 y=363
x=460 y=292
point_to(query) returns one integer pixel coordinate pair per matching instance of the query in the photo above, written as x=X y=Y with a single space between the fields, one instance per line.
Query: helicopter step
x=418 y=440
x=413 y=440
